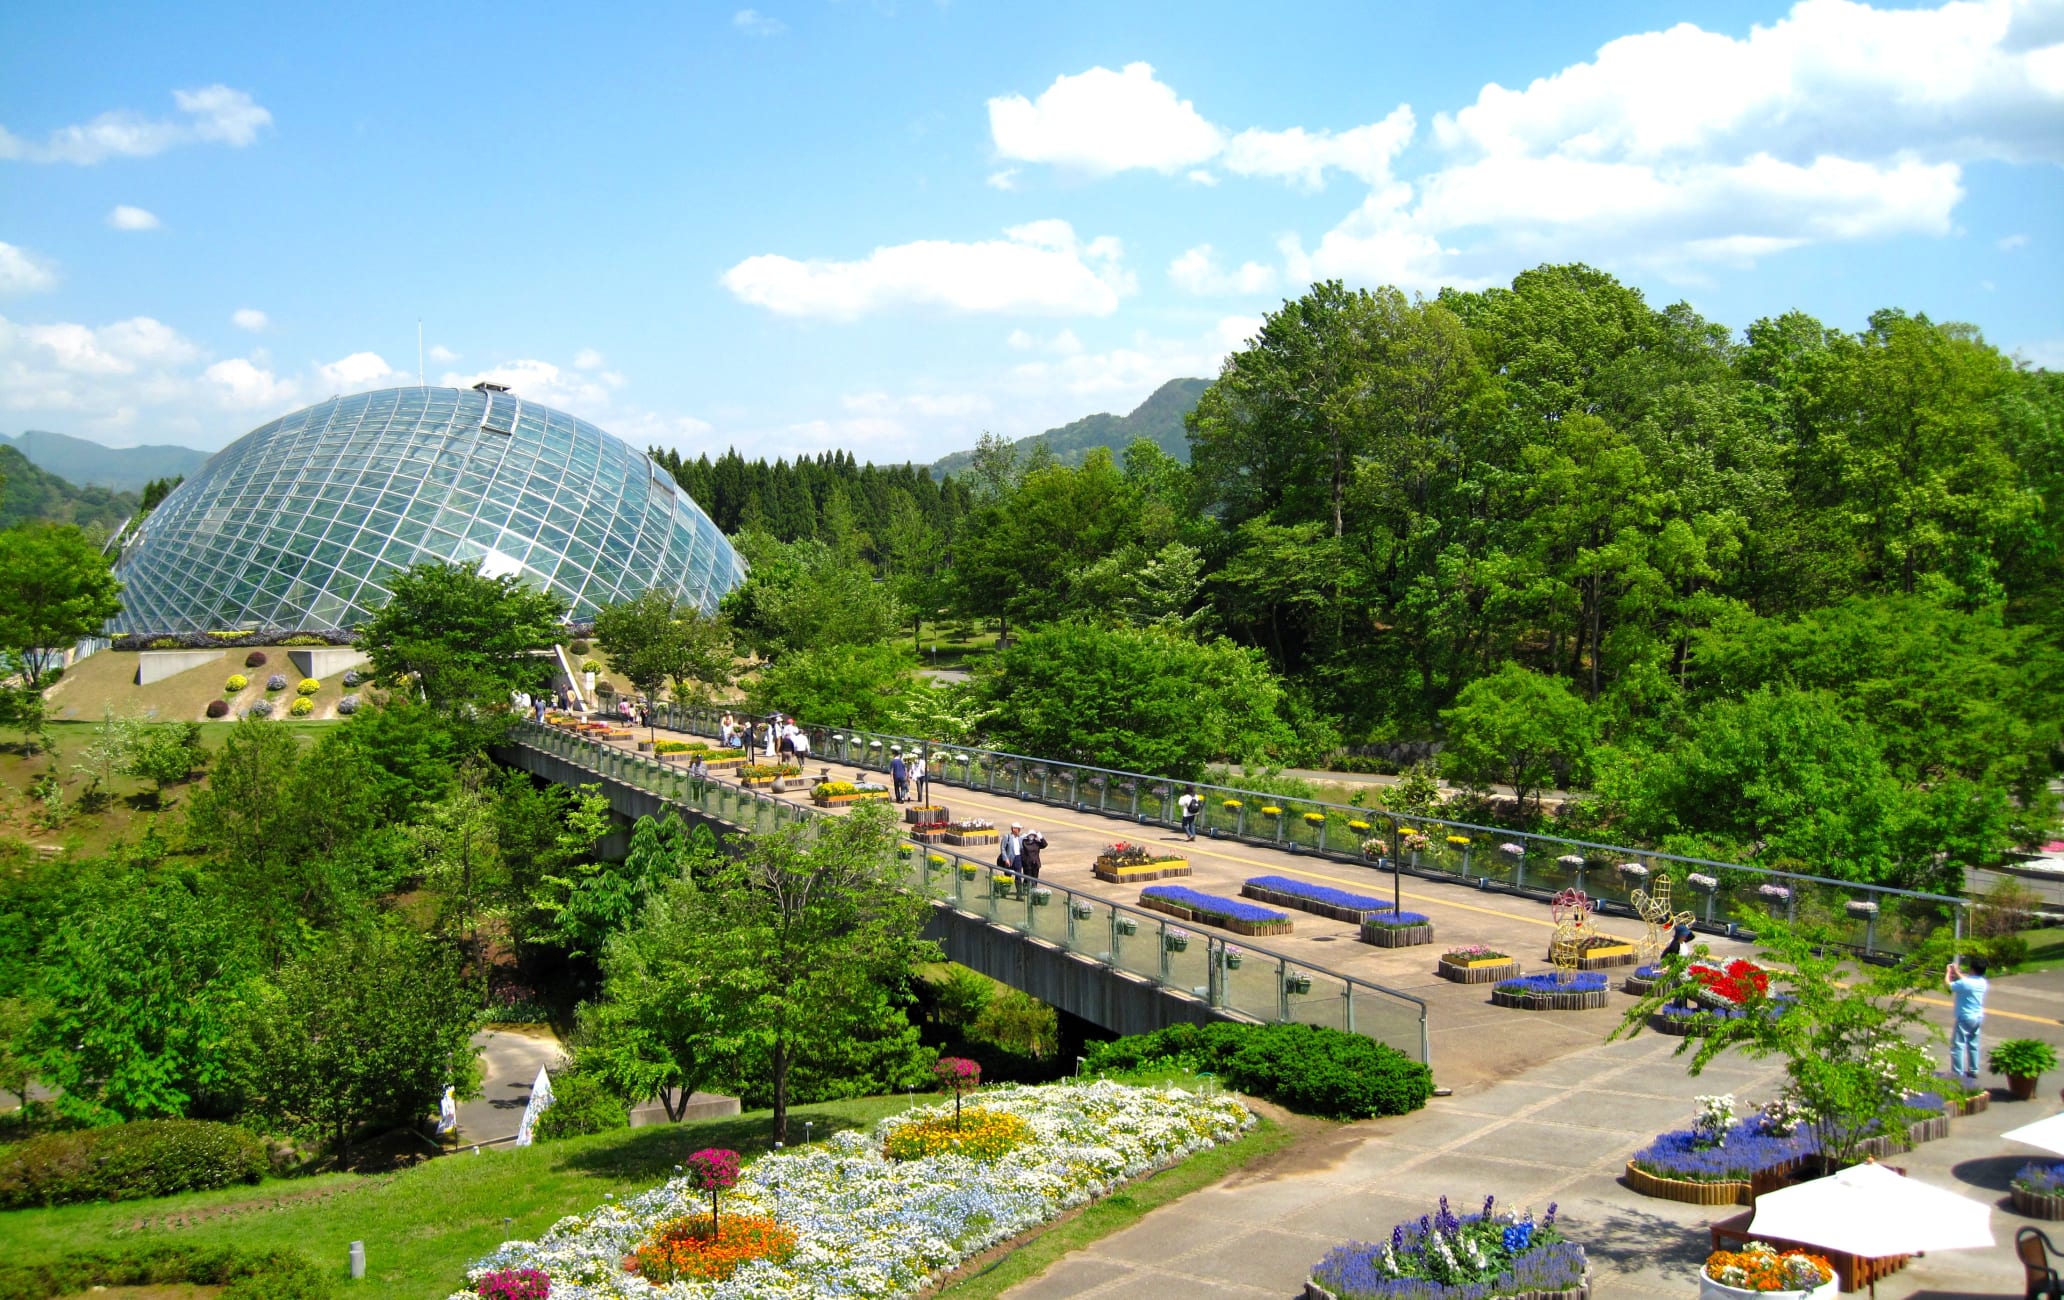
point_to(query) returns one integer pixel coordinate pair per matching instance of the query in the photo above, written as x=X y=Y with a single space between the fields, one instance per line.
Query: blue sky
x=888 y=227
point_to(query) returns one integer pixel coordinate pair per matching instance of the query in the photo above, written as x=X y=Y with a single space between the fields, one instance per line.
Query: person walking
x=899 y=776
x=1968 y=987
x=1190 y=805
x=1010 y=854
x=920 y=775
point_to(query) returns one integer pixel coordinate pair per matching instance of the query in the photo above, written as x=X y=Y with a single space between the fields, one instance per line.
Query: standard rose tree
x=713 y=1170
x=959 y=1076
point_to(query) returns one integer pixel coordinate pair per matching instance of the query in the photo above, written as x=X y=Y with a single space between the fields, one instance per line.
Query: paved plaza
x=1544 y=1109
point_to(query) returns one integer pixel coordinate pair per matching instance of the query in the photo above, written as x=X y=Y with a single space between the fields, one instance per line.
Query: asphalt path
x=512 y=1057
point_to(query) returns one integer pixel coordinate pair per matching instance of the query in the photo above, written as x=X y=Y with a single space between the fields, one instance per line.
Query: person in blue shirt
x=1967 y=986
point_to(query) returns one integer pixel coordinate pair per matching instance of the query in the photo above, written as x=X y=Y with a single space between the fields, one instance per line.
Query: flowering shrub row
x=868 y=1227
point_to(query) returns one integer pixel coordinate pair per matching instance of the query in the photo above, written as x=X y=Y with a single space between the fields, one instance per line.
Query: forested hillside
x=27 y=493
x=1159 y=420
x=1788 y=594
x=89 y=464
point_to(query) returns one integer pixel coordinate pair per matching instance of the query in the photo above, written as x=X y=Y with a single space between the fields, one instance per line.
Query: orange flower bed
x=1765 y=1269
x=686 y=1250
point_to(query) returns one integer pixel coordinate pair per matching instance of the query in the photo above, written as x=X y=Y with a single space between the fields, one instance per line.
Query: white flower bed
x=872 y=1227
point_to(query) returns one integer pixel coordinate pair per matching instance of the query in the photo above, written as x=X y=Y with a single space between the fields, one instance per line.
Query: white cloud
x=246 y=383
x=754 y=23
x=1302 y=157
x=1037 y=267
x=1100 y=122
x=1203 y=177
x=125 y=217
x=1006 y=179
x=533 y=380
x=23 y=272
x=2011 y=242
x=442 y=355
x=926 y=404
x=249 y=318
x=587 y=359
x=357 y=372
x=1197 y=271
x=1119 y=378
x=214 y=114
x=2046 y=354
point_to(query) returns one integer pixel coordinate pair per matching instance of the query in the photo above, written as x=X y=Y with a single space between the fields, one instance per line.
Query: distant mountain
x=88 y=464
x=31 y=492
x=1159 y=419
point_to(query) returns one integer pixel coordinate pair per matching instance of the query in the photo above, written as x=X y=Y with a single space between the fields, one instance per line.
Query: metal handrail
x=618 y=764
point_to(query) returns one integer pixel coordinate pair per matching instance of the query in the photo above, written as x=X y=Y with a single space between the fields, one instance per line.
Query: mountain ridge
x=83 y=463
x=1159 y=419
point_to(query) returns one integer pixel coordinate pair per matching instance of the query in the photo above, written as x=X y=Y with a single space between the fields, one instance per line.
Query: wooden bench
x=1854 y=1272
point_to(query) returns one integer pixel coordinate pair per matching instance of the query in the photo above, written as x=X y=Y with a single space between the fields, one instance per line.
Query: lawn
x=423 y=1226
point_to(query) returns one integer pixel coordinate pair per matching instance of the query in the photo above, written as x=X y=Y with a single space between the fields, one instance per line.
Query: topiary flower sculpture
x=713 y=1170
x=959 y=1076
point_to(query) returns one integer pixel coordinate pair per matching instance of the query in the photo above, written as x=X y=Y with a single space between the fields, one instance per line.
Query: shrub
x=590 y=666
x=218 y=708
x=307 y=686
x=352 y=677
x=2025 y=1057
x=259 y=709
x=1306 y=1068
x=243 y=1274
x=348 y=705
x=236 y=682
x=578 y=648
x=163 y=643
x=580 y=1105
x=255 y=659
x=303 y=639
x=154 y=1157
x=276 y=682
x=301 y=707
x=678 y=746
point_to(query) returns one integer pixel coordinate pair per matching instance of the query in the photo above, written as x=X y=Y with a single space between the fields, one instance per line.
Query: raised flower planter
x=1490 y=1253
x=1477 y=965
x=971 y=839
x=1319 y=900
x=1641 y=981
x=1759 y=1269
x=2038 y=1191
x=1584 y=991
x=1602 y=951
x=1397 y=929
x=1689 y=1166
x=925 y=814
x=1124 y=863
x=1186 y=904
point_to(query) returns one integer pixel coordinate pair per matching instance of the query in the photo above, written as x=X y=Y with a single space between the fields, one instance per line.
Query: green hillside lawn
x=423 y=1226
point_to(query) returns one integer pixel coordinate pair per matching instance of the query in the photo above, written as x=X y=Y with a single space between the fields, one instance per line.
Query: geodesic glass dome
x=296 y=524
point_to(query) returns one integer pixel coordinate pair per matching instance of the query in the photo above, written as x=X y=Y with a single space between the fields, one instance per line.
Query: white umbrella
x=1871 y=1211
x=2045 y=1133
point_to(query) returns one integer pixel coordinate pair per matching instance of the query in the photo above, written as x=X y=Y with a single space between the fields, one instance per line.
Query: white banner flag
x=540 y=1098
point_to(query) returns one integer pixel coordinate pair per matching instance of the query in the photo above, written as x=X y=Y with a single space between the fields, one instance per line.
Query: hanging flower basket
x=1083 y=911
x=1042 y=897
x=1862 y=907
x=1574 y=861
x=1512 y=850
x=1297 y=982
x=1777 y=893
x=1176 y=940
x=1634 y=869
x=1128 y=925
x=1233 y=958
x=1699 y=880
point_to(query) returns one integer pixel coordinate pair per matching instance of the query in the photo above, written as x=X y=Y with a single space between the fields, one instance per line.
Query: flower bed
x=1642 y=981
x=2038 y=1191
x=871 y=1228
x=1122 y=862
x=1445 y=1256
x=1186 y=904
x=1731 y=985
x=1599 y=951
x=926 y=814
x=1687 y=1165
x=1477 y=964
x=1320 y=900
x=832 y=794
x=1581 y=992
x=1397 y=929
x=1759 y=1268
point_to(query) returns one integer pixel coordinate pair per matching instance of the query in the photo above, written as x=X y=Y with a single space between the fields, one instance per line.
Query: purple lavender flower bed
x=1744 y=1153
x=1648 y=972
x=1446 y=1256
x=1586 y=981
x=1321 y=893
x=1207 y=907
x=1399 y=920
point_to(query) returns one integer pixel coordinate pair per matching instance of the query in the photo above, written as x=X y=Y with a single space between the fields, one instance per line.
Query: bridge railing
x=1246 y=978
x=1721 y=896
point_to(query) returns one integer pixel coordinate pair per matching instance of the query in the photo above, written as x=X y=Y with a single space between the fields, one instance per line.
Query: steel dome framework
x=298 y=524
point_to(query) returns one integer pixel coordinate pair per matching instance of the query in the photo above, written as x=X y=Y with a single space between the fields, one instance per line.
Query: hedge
x=244 y=1274
x=153 y=1157
x=1305 y=1068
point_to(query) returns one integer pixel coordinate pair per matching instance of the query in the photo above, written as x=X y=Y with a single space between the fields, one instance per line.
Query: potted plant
x=1042 y=897
x=1127 y=924
x=1760 y=1269
x=1177 y=940
x=1233 y=957
x=1083 y=911
x=1297 y=982
x=2023 y=1061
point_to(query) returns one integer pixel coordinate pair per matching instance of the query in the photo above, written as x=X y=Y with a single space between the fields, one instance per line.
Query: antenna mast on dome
x=419 y=354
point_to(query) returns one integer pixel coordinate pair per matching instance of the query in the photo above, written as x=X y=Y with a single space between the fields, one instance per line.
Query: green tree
x=166 y=754
x=460 y=638
x=803 y=596
x=1143 y=700
x=1849 y=1033
x=137 y=1004
x=55 y=587
x=367 y=1028
x=656 y=638
x=1519 y=728
x=459 y=847
x=836 y=686
x=644 y=1037
x=594 y=900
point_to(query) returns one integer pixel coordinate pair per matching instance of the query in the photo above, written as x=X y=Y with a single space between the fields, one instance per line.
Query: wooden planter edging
x=1686 y=1190
x=1971 y=1105
x=1549 y=1001
x=2038 y=1207
x=1489 y=974
x=920 y=816
x=1639 y=985
x=1162 y=870
x=972 y=838
x=1621 y=954
x=1582 y=1291
x=1252 y=929
x=858 y=796
x=1335 y=911
x=1389 y=936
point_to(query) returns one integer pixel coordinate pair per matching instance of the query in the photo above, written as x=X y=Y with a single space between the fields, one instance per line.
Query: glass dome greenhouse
x=296 y=525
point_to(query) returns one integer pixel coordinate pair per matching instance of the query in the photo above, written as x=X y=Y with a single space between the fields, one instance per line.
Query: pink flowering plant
x=959 y=1076
x=515 y=1284
x=713 y=1170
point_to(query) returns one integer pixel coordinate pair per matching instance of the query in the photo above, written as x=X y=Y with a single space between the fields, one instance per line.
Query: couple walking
x=1020 y=852
x=904 y=774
